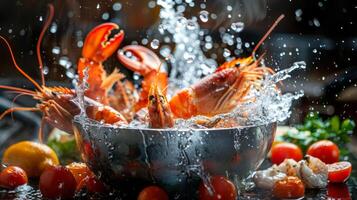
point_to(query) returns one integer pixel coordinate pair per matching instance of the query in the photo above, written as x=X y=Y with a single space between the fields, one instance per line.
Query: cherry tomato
x=153 y=193
x=221 y=188
x=325 y=150
x=95 y=186
x=289 y=188
x=338 y=191
x=12 y=177
x=57 y=182
x=339 y=172
x=285 y=150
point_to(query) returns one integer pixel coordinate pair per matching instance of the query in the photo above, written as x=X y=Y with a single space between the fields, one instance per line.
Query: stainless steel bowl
x=177 y=160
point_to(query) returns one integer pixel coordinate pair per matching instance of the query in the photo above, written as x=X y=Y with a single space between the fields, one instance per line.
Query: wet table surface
x=344 y=191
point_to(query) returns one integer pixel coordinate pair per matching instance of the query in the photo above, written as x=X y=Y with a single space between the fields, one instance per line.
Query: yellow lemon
x=31 y=156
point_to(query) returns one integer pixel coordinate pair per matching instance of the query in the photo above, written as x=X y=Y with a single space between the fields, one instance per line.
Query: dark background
x=324 y=34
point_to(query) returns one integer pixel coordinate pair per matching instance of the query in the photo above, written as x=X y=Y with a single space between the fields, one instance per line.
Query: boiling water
x=188 y=65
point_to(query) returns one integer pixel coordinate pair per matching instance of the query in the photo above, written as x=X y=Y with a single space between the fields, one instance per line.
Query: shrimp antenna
x=17 y=66
x=267 y=33
x=38 y=46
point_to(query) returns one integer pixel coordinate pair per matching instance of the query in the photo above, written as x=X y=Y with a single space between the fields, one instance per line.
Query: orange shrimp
x=145 y=62
x=57 y=103
x=221 y=91
x=160 y=115
x=96 y=49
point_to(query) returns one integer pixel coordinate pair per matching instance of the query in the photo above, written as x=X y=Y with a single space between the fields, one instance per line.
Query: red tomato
x=338 y=191
x=95 y=186
x=285 y=150
x=289 y=188
x=12 y=177
x=222 y=189
x=325 y=150
x=57 y=182
x=153 y=193
x=339 y=172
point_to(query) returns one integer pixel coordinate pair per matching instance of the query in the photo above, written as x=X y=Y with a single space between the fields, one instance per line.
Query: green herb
x=315 y=129
x=66 y=151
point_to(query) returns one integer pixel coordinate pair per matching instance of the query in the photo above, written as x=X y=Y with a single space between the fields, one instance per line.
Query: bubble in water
x=117 y=6
x=314 y=50
x=155 y=43
x=229 y=8
x=237 y=26
x=204 y=16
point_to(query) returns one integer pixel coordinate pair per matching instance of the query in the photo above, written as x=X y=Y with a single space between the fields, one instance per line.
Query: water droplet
x=226 y=52
x=298 y=13
x=63 y=61
x=314 y=50
x=204 y=16
x=117 y=6
x=151 y=4
x=56 y=50
x=229 y=8
x=191 y=25
x=53 y=28
x=189 y=57
x=165 y=51
x=22 y=32
x=80 y=44
x=10 y=30
x=155 y=43
x=98 y=6
x=105 y=16
x=144 y=41
x=237 y=26
x=45 y=70
x=316 y=22
x=41 y=19
x=323 y=78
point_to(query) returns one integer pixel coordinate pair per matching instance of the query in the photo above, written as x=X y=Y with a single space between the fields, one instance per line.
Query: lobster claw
x=97 y=47
x=143 y=60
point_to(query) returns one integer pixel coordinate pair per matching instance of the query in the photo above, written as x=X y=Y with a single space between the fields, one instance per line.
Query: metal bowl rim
x=94 y=123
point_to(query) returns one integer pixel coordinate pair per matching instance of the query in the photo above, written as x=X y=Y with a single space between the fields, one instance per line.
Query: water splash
x=188 y=61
